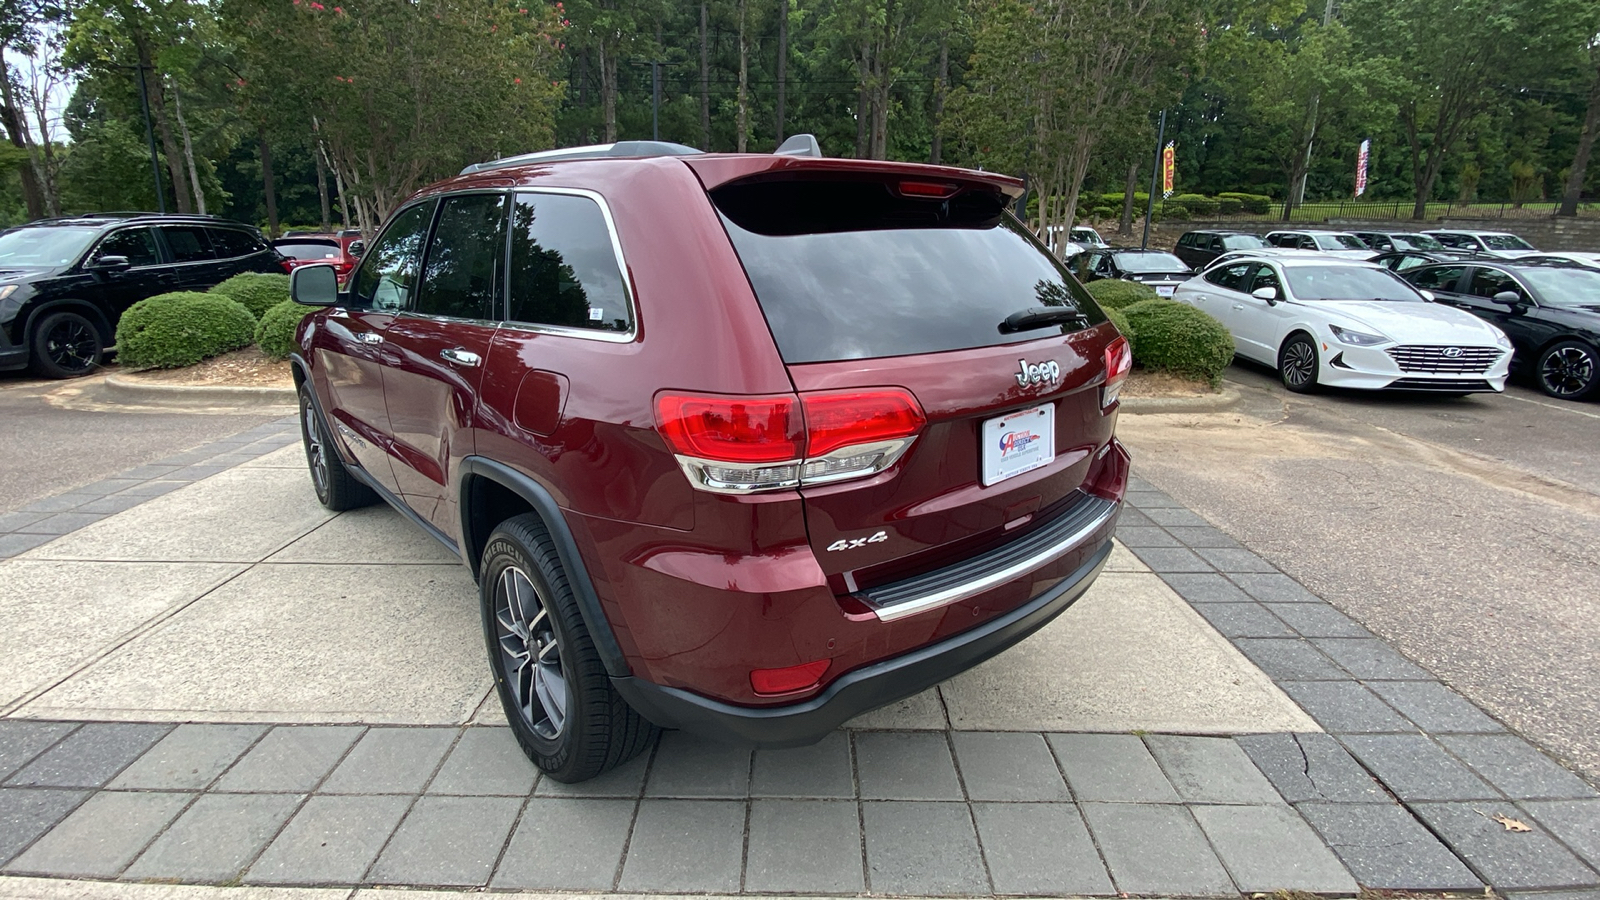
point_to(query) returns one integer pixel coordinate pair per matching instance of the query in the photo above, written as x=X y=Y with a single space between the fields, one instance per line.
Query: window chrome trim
x=589 y=334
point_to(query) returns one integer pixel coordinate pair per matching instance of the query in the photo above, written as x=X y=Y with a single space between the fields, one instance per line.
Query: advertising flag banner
x=1361 y=168
x=1169 y=168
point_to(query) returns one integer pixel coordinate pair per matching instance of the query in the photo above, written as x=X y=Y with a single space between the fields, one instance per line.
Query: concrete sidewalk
x=242 y=687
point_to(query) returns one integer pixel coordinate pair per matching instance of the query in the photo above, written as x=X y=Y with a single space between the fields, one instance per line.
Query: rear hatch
x=875 y=279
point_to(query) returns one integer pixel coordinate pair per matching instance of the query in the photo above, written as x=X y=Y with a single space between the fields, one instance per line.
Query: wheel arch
x=93 y=312
x=1298 y=329
x=1566 y=336
x=491 y=492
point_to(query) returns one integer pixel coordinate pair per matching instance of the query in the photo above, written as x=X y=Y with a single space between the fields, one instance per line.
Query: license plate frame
x=1017 y=442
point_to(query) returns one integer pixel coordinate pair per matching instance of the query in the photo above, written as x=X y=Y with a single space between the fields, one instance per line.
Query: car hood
x=1413 y=323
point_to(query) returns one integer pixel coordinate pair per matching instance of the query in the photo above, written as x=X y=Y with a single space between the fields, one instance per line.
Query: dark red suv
x=741 y=444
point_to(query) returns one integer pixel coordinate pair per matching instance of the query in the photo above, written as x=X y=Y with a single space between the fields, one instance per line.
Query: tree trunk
x=941 y=84
x=783 y=63
x=705 y=76
x=322 y=192
x=1580 y=160
x=742 y=135
x=608 y=92
x=863 y=119
x=188 y=152
x=880 y=84
x=268 y=187
x=17 y=131
x=1128 y=189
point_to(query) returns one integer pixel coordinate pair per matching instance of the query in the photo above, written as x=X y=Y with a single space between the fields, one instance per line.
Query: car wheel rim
x=530 y=654
x=1567 y=371
x=316 y=453
x=1299 y=363
x=72 y=345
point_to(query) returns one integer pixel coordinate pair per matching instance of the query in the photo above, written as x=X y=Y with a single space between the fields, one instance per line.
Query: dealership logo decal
x=1016 y=441
x=1038 y=373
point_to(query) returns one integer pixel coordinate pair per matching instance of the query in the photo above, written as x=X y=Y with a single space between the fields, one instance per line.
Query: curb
x=1223 y=399
x=129 y=390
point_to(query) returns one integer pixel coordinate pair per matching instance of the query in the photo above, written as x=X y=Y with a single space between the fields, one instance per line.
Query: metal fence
x=1384 y=210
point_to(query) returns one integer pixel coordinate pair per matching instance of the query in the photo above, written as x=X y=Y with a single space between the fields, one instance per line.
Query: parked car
x=1551 y=313
x=1385 y=241
x=65 y=282
x=1403 y=260
x=1199 y=249
x=300 y=248
x=1503 y=244
x=742 y=444
x=1078 y=239
x=1335 y=243
x=1157 y=268
x=1345 y=323
x=1565 y=258
x=1275 y=252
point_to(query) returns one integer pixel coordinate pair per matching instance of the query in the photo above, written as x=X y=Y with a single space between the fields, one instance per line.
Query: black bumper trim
x=864 y=689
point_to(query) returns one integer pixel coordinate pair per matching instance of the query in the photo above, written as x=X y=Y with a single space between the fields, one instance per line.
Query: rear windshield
x=1340 y=242
x=851 y=270
x=309 y=249
x=1242 y=242
x=1415 y=242
x=1150 y=261
x=1505 y=242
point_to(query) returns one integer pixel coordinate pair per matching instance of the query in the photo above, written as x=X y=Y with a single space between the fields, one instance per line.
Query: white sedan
x=1344 y=323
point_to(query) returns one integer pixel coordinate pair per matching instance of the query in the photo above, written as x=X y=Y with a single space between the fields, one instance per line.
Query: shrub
x=255 y=291
x=1255 y=204
x=1112 y=293
x=180 y=329
x=275 y=331
x=1197 y=204
x=1229 y=206
x=1173 y=212
x=1105 y=212
x=1112 y=199
x=1177 y=338
x=1120 y=319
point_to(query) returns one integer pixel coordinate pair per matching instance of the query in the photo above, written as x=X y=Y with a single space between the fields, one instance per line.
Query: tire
x=65 y=345
x=1568 y=370
x=1298 y=363
x=562 y=708
x=336 y=488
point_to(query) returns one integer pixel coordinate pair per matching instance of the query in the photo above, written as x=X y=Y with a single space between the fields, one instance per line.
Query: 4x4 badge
x=853 y=543
x=1049 y=370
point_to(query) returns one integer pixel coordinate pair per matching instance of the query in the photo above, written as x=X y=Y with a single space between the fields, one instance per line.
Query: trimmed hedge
x=1255 y=204
x=1119 y=319
x=1229 y=206
x=1177 y=338
x=1112 y=293
x=275 y=331
x=1172 y=212
x=1197 y=204
x=1105 y=212
x=255 y=291
x=168 y=331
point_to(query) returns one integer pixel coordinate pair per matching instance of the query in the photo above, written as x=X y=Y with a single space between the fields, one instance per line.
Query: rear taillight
x=1119 y=362
x=287 y=266
x=737 y=445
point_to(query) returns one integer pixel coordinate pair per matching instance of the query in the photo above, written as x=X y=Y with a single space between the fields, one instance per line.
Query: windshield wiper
x=1041 y=317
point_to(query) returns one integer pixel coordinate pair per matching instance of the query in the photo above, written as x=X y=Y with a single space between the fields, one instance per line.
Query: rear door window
x=188 y=243
x=564 y=267
x=854 y=270
x=466 y=259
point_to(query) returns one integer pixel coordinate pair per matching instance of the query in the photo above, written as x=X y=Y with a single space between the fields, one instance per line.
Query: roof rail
x=618 y=150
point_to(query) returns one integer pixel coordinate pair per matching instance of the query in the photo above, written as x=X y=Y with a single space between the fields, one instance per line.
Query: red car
x=341 y=249
x=741 y=444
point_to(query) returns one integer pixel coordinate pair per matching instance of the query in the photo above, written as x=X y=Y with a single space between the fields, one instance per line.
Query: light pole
x=1150 y=202
x=149 y=135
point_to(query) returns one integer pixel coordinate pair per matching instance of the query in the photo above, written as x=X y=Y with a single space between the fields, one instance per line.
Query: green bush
x=255 y=291
x=1112 y=293
x=1177 y=338
x=1105 y=212
x=1197 y=204
x=180 y=329
x=275 y=331
x=1172 y=212
x=1120 y=319
x=1255 y=204
x=1229 y=206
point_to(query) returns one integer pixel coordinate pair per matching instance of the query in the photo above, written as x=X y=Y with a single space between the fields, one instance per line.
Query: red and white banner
x=1361 y=168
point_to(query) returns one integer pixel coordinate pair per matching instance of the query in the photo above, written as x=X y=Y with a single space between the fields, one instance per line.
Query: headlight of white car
x=1357 y=338
x=1501 y=339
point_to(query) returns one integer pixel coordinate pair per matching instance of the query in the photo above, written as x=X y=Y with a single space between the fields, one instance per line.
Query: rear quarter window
x=853 y=270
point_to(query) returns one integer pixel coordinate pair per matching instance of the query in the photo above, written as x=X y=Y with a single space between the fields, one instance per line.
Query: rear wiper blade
x=1041 y=317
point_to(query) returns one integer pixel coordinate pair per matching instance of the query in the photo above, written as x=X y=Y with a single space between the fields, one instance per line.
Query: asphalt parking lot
x=1464 y=531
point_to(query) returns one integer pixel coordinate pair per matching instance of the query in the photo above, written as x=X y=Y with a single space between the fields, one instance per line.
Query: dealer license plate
x=1166 y=290
x=1019 y=442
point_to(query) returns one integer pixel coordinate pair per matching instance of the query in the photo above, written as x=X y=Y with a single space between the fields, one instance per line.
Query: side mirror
x=110 y=264
x=1508 y=298
x=1269 y=294
x=314 y=285
x=357 y=248
x=1429 y=296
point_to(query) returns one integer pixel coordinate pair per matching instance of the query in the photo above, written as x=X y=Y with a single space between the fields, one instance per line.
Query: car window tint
x=389 y=271
x=1407 y=263
x=1230 y=277
x=188 y=243
x=1459 y=241
x=1439 y=278
x=231 y=242
x=1488 y=282
x=564 y=268
x=1265 y=276
x=462 y=275
x=309 y=249
x=137 y=244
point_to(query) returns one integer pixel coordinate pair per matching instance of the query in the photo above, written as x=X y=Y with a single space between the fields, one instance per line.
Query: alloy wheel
x=1299 y=363
x=1567 y=371
x=72 y=344
x=530 y=654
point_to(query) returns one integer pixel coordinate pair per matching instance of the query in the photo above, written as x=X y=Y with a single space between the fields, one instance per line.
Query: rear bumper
x=865 y=688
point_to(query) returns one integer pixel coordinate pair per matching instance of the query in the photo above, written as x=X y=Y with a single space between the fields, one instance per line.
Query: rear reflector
x=1119 y=362
x=789 y=680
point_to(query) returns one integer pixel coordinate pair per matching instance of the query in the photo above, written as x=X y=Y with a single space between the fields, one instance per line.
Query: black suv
x=65 y=282
x=1199 y=249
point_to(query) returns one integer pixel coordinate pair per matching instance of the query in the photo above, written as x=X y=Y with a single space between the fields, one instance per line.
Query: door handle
x=370 y=337
x=460 y=356
x=166 y=278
